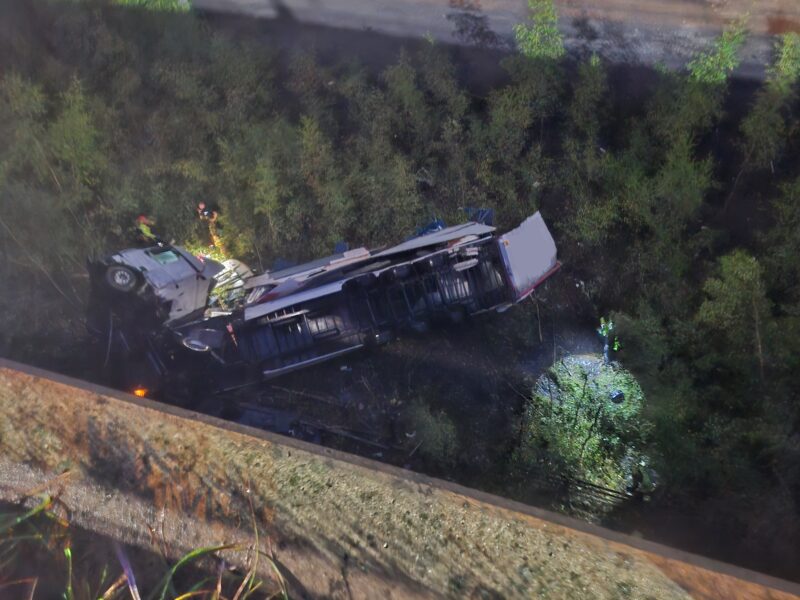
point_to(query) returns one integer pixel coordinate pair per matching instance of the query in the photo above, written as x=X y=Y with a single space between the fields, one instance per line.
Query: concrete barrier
x=340 y=526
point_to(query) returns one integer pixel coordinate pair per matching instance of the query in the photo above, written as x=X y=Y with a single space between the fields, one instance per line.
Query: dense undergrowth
x=680 y=213
x=584 y=421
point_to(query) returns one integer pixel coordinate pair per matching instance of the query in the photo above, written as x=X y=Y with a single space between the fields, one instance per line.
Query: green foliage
x=434 y=433
x=162 y=5
x=765 y=128
x=42 y=553
x=785 y=71
x=23 y=105
x=586 y=111
x=732 y=296
x=587 y=162
x=115 y=112
x=328 y=211
x=572 y=422
x=407 y=100
x=715 y=65
x=783 y=242
x=541 y=39
x=74 y=140
x=680 y=186
x=736 y=307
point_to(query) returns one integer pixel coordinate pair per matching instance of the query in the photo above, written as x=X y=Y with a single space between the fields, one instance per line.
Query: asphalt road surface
x=642 y=31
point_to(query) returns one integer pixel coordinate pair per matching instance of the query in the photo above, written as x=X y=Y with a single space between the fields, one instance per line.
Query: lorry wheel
x=121 y=278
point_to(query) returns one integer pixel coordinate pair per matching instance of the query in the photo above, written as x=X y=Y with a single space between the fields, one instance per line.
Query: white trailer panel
x=529 y=255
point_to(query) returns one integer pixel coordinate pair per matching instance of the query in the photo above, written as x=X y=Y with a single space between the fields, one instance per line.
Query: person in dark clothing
x=210 y=213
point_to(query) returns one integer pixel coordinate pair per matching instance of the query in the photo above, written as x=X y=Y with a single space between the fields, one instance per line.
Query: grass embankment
x=42 y=555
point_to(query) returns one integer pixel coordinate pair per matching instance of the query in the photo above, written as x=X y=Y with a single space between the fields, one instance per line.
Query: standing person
x=210 y=214
x=144 y=231
x=207 y=212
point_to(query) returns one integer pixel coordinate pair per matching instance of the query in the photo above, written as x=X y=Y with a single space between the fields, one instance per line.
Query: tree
x=405 y=96
x=51 y=216
x=23 y=108
x=765 y=129
x=74 y=139
x=435 y=434
x=782 y=243
x=328 y=210
x=168 y=5
x=686 y=105
x=540 y=38
x=314 y=85
x=584 y=420
x=588 y=166
x=713 y=66
x=736 y=306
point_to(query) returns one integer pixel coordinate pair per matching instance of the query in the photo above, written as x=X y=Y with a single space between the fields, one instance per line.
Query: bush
x=435 y=433
x=577 y=422
x=541 y=38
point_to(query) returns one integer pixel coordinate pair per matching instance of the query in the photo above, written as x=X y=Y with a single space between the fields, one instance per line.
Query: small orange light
x=140 y=392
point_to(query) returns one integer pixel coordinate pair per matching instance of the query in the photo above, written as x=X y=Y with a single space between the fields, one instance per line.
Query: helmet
x=141 y=219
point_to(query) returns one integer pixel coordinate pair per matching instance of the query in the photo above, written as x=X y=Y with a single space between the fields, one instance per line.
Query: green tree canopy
x=540 y=38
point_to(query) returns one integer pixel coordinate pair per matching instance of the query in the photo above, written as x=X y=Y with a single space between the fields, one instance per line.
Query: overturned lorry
x=171 y=324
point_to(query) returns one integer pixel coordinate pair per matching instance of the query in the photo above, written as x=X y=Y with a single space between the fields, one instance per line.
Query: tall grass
x=43 y=556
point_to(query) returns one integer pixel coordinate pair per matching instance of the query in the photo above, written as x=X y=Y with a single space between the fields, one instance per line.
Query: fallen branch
x=321 y=398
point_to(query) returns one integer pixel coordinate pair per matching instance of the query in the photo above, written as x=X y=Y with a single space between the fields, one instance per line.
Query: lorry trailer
x=170 y=323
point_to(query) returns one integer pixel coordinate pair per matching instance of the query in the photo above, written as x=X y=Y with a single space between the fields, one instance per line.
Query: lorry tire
x=121 y=278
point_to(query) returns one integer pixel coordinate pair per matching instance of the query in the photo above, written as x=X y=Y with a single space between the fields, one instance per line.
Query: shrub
x=541 y=38
x=434 y=432
x=577 y=421
x=715 y=65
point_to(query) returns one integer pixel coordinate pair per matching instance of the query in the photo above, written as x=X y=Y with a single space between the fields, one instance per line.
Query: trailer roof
x=308 y=266
x=259 y=310
x=442 y=236
x=358 y=255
